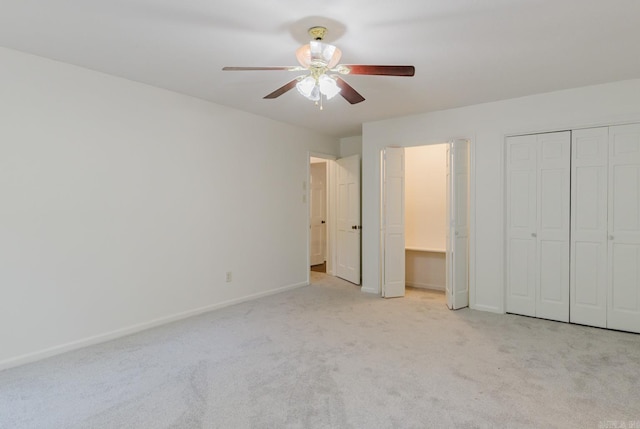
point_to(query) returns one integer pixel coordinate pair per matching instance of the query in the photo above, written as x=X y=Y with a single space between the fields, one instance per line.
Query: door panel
x=393 y=223
x=457 y=287
x=623 y=310
x=588 y=292
x=521 y=224
x=553 y=230
x=538 y=225
x=348 y=249
x=552 y=277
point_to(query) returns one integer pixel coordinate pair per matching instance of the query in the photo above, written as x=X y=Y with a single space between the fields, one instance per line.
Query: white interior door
x=588 y=294
x=317 y=213
x=349 y=227
x=393 y=279
x=521 y=245
x=554 y=202
x=538 y=225
x=457 y=279
x=623 y=309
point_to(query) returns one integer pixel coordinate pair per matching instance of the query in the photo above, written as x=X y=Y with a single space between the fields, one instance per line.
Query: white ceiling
x=465 y=51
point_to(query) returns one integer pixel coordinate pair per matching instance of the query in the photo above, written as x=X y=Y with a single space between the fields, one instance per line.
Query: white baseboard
x=426 y=286
x=487 y=308
x=101 y=338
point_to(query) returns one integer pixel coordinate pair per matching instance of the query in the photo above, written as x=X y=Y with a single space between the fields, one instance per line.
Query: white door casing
x=393 y=233
x=589 y=165
x=317 y=212
x=348 y=225
x=623 y=306
x=457 y=253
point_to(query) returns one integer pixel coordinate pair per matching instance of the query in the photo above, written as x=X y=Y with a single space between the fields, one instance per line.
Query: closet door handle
x=611 y=237
x=533 y=234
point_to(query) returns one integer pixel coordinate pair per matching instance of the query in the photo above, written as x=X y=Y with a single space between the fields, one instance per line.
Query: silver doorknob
x=611 y=237
x=533 y=234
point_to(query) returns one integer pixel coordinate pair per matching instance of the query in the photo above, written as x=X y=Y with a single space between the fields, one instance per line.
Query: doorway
x=318 y=214
x=339 y=236
x=426 y=217
x=425 y=220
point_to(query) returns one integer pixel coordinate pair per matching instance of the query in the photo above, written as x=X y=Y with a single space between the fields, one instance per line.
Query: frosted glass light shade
x=303 y=54
x=308 y=88
x=318 y=54
x=328 y=86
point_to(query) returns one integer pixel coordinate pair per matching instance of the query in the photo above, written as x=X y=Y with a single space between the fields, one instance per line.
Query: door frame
x=330 y=230
x=471 y=212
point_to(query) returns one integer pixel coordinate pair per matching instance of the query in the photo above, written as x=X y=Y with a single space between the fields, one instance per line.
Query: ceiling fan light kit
x=321 y=59
x=318 y=54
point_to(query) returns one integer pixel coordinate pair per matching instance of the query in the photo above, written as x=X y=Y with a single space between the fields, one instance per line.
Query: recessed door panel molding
x=623 y=306
x=589 y=227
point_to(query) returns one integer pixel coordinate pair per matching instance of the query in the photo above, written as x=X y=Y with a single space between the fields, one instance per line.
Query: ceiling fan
x=321 y=60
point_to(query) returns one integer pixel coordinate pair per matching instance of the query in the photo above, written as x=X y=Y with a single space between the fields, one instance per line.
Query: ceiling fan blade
x=376 y=70
x=284 y=88
x=348 y=93
x=287 y=68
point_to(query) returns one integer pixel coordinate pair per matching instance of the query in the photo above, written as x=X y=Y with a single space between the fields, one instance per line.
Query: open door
x=348 y=207
x=393 y=278
x=457 y=282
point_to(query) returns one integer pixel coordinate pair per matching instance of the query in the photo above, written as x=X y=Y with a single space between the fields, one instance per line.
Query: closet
x=425 y=225
x=573 y=226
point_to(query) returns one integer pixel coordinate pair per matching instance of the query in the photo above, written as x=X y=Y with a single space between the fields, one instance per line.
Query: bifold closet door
x=589 y=153
x=521 y=224
x=538 y=219
x=623 y=309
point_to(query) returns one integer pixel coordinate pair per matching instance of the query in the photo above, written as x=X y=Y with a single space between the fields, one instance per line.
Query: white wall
x=350 y=146
x=425 y=197
x=486 y=125
x=123 y=206
x=425 y=216
x=426 y=270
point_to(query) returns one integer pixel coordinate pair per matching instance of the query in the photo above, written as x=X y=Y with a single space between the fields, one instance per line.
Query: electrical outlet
x=229 y=276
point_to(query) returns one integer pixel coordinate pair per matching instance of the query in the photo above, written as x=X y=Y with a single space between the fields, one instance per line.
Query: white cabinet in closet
x=538 y=219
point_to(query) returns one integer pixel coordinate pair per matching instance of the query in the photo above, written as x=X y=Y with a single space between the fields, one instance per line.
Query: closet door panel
x=521 y=224
x=553 y=225
x=623 y=310
x=588 y=294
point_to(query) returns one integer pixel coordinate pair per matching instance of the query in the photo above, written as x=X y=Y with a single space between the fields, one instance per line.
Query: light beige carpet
x=329 y=356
